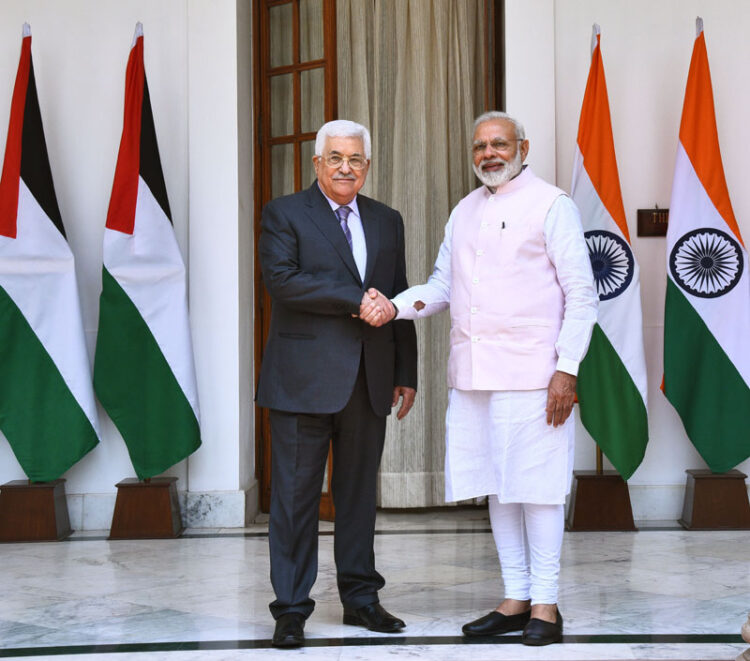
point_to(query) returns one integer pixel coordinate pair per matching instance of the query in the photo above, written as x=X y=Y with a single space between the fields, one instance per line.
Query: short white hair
x=497 y=114
x=342 y=128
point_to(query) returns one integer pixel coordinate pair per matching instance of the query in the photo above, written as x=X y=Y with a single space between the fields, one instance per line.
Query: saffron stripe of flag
x=611 y=386
x=144 y=374
x=707 y=307
x=47 y=409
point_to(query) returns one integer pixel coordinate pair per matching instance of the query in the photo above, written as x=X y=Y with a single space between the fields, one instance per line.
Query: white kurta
x=498 y=442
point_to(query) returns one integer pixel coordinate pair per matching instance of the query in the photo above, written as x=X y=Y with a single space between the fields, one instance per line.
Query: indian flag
x=612 y=377
x=47 y=409
x=144 y=374
x=707 y=308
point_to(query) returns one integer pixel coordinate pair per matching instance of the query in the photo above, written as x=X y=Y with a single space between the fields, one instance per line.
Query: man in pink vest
x=514 y=270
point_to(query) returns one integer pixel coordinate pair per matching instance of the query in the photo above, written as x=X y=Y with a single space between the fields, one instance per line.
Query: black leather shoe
x=289 y=631
x=541 y=632
x=373 y=617
x=494 y=623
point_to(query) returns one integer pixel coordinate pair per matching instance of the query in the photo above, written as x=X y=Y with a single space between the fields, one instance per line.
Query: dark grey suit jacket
x=314 y=346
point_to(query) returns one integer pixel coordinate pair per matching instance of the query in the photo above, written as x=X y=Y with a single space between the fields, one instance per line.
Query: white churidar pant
x=528 y=539
x=498 y=444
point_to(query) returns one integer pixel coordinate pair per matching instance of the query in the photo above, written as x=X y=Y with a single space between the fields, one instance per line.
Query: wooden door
x=295 y=93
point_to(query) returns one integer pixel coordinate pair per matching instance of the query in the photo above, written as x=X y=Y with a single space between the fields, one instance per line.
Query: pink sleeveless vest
x=506 y=303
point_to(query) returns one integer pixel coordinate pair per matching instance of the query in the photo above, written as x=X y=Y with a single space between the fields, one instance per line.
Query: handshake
x=375 y=308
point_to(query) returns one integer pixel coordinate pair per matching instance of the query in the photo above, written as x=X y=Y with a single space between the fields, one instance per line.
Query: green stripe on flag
x=704 y=386
x=611 y=406
x=45 y=425
x=136 y=386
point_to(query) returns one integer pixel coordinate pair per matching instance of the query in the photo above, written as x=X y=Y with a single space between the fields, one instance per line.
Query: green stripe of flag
x=611 y=406
x=136 y=386
x=45 y=425
x=704 y=386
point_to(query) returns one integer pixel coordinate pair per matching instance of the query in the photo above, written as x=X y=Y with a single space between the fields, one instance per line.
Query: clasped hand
x=375 y=309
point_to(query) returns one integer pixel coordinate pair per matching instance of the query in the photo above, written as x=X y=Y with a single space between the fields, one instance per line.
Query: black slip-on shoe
x=494 y=623
x=541 y=632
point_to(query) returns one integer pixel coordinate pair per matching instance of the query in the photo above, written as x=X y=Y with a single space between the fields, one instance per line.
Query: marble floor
x=660 y=593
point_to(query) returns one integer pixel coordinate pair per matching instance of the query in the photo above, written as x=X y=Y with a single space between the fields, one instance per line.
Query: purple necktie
x=342 y=213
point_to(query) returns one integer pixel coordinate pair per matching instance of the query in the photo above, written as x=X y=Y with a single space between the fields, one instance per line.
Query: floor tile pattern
x=660 y=593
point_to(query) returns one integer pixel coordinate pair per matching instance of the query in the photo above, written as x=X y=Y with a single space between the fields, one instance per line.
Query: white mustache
x=493 y=161
x=345 y=177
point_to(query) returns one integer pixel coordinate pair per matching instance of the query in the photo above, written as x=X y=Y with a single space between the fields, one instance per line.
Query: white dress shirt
x=359 y=246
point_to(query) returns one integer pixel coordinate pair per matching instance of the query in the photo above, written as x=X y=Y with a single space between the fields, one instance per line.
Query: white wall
x=646 y=46
x=80 y=50
x=530 y=78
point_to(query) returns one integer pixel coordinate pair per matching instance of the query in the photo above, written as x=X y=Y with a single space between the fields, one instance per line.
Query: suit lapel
x=322 y=215
x=371 y=226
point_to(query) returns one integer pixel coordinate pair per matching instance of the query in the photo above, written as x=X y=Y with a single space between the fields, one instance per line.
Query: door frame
x=262 y=73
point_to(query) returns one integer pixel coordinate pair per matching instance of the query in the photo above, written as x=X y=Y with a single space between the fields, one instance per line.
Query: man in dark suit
x=328 y=375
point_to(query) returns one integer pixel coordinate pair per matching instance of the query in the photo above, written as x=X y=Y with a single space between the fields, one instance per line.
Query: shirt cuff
x=568 y=366
x=401 y=304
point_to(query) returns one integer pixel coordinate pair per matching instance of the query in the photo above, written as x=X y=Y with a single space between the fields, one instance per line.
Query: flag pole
x=595 y=32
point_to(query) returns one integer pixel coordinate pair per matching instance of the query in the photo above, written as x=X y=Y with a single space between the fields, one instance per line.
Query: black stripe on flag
x=150 y=165
x=35 y=168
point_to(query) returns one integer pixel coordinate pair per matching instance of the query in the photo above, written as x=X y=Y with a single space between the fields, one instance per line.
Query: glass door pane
x=282 y=169
x=282 y=105
x=280 y=21
x=310 y=30
x=307 y=151
x=312 y=99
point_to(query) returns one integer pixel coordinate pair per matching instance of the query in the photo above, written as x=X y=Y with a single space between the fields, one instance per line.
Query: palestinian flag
x=47 y=409
x=143 y=372
x=612 y=377
x=707 y=308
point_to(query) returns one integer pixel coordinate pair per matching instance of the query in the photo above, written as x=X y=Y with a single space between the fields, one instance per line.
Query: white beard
x=496 y=179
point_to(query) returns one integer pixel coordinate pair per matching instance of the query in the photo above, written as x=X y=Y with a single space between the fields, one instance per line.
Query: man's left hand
x=561 y=394
x=408 y=395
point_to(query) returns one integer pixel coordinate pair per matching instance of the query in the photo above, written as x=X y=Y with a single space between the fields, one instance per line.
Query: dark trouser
x=299 y=453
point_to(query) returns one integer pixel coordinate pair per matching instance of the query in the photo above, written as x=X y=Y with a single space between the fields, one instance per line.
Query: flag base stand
x=599 y=501
x=33 y=511
x=715 y=501
x=146 y=509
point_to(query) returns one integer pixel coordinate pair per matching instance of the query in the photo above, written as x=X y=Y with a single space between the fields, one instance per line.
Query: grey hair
x=497 y=114
x=342 y=128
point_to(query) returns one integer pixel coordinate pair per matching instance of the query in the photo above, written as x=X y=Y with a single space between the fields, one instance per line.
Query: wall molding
x=200 y=509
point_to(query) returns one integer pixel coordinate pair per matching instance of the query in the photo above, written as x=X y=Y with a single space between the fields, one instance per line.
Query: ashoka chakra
x=611 y=261
x=706 y=262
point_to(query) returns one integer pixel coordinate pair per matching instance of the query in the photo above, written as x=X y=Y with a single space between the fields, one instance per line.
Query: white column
x=530 y=78
x=220 y=474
